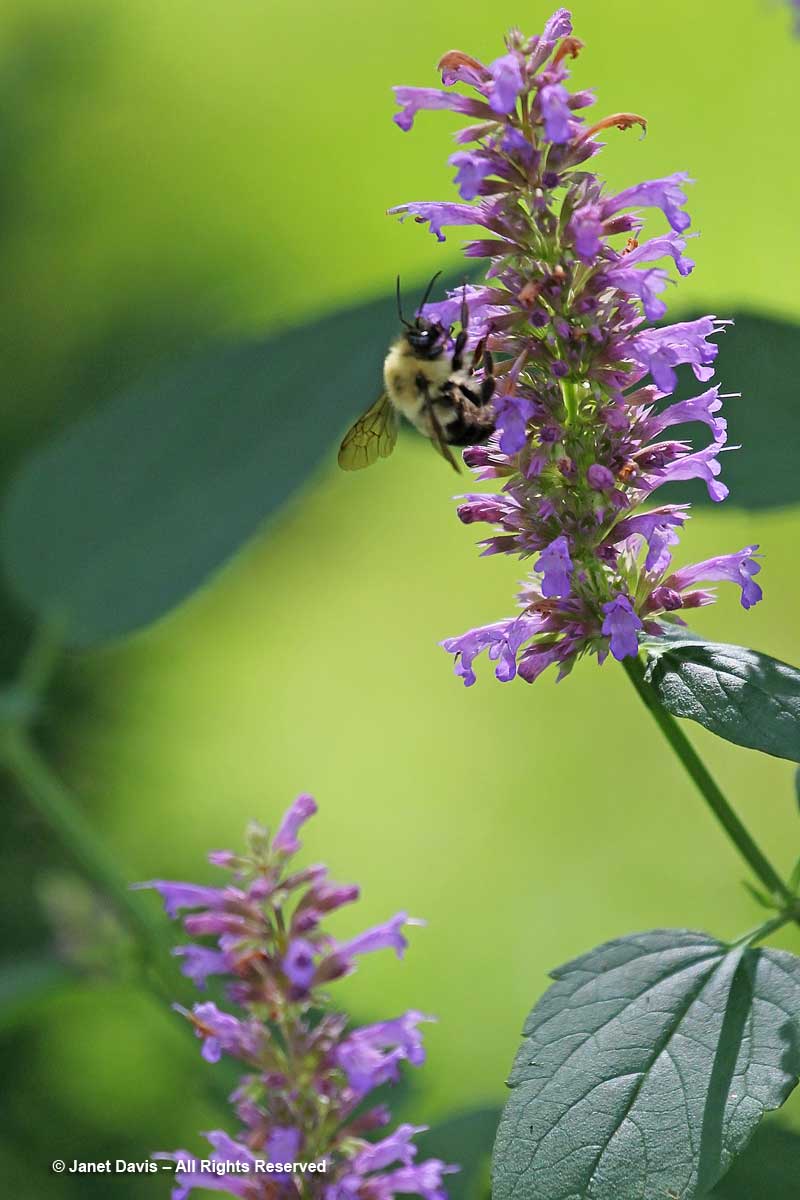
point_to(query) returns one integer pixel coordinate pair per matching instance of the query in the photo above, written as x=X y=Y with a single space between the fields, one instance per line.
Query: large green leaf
x=133 y=508
x=768 y=1169
x=26 y=984
x=741 y=695
x=465 y=1139
x=645 y=1069
x=759 y=357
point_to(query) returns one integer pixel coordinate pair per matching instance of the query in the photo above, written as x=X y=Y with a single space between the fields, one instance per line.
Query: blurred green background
x=172 y=173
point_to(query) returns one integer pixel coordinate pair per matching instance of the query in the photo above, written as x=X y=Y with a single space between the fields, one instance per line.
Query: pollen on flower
x=582 y=406
x=308 y=1074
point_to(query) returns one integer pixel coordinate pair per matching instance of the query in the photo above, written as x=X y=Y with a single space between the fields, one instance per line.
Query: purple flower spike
x=574 y=280
x=621 y=625
x=306 y=1074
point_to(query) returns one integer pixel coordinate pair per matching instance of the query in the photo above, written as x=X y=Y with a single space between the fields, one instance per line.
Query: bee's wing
x=374 y=435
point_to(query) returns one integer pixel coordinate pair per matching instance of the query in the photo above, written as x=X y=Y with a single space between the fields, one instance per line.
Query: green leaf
x=134 y=507
x=758 y=357
x=26 y=984
x=465 y=1140
x=645 y=1069
x=743 y=696
x=769 y=1168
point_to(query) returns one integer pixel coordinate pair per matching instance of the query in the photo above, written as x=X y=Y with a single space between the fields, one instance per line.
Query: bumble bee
x=428 y=379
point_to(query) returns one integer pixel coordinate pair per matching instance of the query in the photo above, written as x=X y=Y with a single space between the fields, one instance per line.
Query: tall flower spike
x=583 y=437
x=304 y=1094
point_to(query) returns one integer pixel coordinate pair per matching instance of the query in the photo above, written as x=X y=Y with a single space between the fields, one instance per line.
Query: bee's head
x=426 y=338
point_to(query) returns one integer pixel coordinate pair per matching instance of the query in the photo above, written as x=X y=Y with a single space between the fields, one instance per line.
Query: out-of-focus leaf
x=25 y=984
x=132 y=509
x=465 y=1140
x=740 y=695
x=769 y=1168
x=759 y=357
x=646 y=1068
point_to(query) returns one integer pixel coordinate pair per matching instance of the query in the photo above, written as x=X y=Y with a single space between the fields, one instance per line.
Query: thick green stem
x=750 y=852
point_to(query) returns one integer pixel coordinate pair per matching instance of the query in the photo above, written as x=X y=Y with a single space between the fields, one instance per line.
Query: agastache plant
x=305 y=1094
x=583 y=438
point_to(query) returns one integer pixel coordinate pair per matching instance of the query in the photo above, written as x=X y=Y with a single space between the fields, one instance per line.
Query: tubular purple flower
x=659 y=351
x=380 y=937
x=397 y=1147
x=413 y=100
x=437 y=215
x=224 y=1150
x=736 y=568
x=471 y=170
x=666 y=194
x=183 y=895
x=198 y=962
x=659 y=529
x=571 y=286
x=503 y=641
x=621 y=625
x=555 y=566
x=285 y=840
x=424 y=1179
x=370 y=1056
x=270 y=946
x=554 y=104
x=220 y=1032
x=600 y=478
x=512 y=414
x=299 y=965
x=703 y=464
x=699 y=408
x=656 y=248
x=283 y=1144
x=507 y=83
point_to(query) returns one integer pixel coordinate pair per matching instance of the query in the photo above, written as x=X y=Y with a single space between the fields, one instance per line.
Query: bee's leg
x=458 y=350
x=461 y=337
x=488 y=381
x=465 y=392
x=438 y=439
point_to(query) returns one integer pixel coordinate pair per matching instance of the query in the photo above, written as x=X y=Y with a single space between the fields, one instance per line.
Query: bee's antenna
x=400 y=307
x=428 y=291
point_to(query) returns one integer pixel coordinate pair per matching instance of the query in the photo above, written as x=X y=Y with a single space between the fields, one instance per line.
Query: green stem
x=750 y=852
x=53 y=802
x=768 y=927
